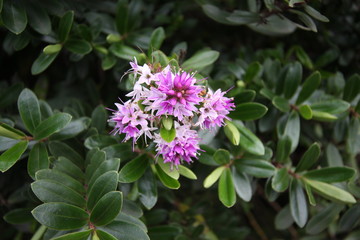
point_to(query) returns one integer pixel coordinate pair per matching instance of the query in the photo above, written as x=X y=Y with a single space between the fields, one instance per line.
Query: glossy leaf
x=123 y=229
x=168 y=168
x=281 y=103
x=166 y=179
x=99 y=118
x=10 y=156
x=315 y=14
x=283 y=219
x=283 y=149
x=248 y=111
x=298 y=205
x=99 y=141
x=168 y=135
x=38 y=159
x=112 y=164
x=60 y=149
x=222 y=156
x=52 y=49
x=352 y=88
x=226 y=189
x=350 y=218
x=19 y=216
x=29 y=109
x=65 y=26
x=200 y=60
x=83 y=235
x=105 y=183
x=280 y=181
x=310 y=85
x=257 y=168
x=156 y=39
x=335 y=106
x=60 y=216
x=51 y=125
x=253 y=72
x=42 y=62
x=250 y=142
x=330 y=192
x=306 y=112
x=309 y=158
x=134 y=169
x=122 y=51
x=39 y=19
x=78 y=46
x=232 y=133
x=331 y=174
x=147 y=186
x=10 y=132
x=14 y=17
x=243 y=17
x=104 y=235
x=213 y=177
x=242 y=185
x=186 y=172
x=74 y=128
x=65 y=165
x=107 y=208
x=292 y=79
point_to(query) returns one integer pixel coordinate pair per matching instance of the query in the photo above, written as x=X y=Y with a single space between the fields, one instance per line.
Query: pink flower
x=184 y=147
x=215 y=109
x=176 y=94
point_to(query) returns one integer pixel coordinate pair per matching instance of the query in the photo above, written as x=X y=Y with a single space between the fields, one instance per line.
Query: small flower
x=215 y=109
x=130 y=120
x=184 y=147
x=176 y=94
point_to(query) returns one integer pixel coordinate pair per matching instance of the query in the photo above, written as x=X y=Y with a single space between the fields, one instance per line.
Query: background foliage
x=287 y=164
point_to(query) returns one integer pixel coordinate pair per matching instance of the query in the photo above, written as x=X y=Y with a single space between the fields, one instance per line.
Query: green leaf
x=350 y=218
x=60 y=216
x=306 y=112
x=51 y=125
x=29 y=109
x=283 y=149
x=242 y=185
x=14 y=17
x=201 y=60
x=83 y=235
x=50 y=191
x=298 y=205
x=60 y=149
x=168 y=169
x=311 y=83
x=275 y=26
x=186 y=172
x=134 y=169
x=94 y=158
x=253 y=72
x=107 y=208
x=280 y=182
x=333 y=156
x=42 y=62
x=10 y=132
x=250 y=142
x=11 y=94
x=310 y=195
x=291 y=129
x=105 y=183
x=10 y=156
x=353 y=137
x=257 y=168
x=104 y=235
x=303 y=57
x=232 y=133
x=222 y=156
x=123 y=229
x=243 y=17
x=99 y=118
x=78 y=46
x=330 y=192
x=283 y=219
x=147 y=186
x=323 y=116
x=52 y=48
x=38 y=159
x=160 y=57
x=323 y=219
x=106 y=166
x=99 y=141
x=108 y=62
x=168 y=135
x=216 y=14
x=352 y=88
x=248 y=111
x=156 y=39
x=331 y=174
x=244 y=97
x=64 y=165
x=335 y=106
x=226 y=189
x=165 y=232
x=72 y=129
x=281 y=103
x=19 y=216
x=122 y=16
x=167 y=122
x=65 y=25
x=303 y=17
x=166 y=179
x=213 y=177
x=39 y=19
x=61 y=178
x=309 y=158
x=292 y=79
x=315 y=14
x=122 y=51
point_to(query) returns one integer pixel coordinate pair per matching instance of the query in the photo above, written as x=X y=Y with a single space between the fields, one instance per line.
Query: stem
x=38 y=234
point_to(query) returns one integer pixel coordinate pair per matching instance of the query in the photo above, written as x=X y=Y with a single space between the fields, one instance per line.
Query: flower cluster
x=176 y=96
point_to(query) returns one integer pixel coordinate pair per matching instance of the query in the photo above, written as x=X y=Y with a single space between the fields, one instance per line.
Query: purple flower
x=175 y=94
x=215 y=109
x=184 y=147
x=130 y=120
